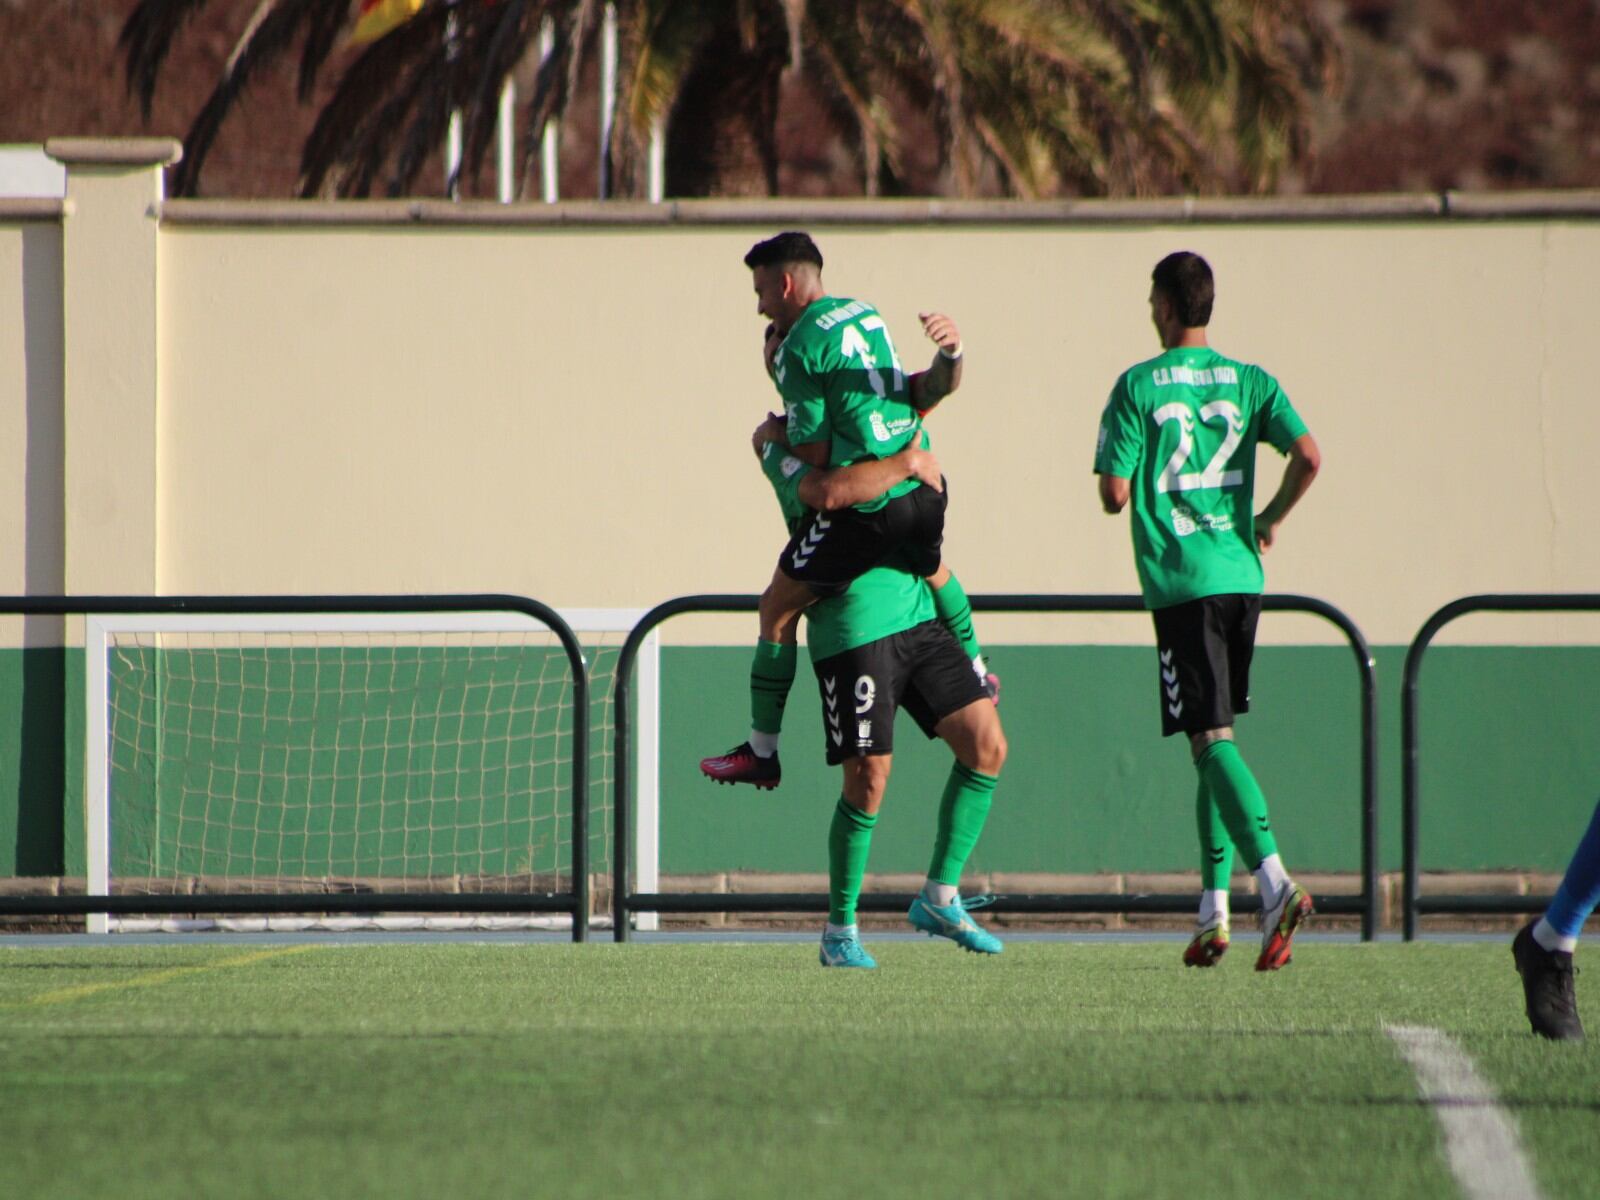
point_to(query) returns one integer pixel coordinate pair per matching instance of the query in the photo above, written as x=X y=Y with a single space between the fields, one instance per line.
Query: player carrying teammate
x=877 y=645
x=1179 y=436
x=847 y=400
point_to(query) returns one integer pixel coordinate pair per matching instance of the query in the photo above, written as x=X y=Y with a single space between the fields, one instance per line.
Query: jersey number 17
x=853 y=344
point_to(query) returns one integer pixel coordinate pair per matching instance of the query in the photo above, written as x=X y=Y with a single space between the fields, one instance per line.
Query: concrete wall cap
x=115 y=152
x=1262 y=210
x=29 y=208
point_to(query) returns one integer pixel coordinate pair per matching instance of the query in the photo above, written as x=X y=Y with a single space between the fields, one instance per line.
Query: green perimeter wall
x=1510 y=764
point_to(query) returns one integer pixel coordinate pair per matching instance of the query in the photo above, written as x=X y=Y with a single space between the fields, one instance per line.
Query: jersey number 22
x=1174 y=478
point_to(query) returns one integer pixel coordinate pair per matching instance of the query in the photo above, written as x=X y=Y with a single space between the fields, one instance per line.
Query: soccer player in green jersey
x=1178 y=436
x=877 y=646
x=847 y=400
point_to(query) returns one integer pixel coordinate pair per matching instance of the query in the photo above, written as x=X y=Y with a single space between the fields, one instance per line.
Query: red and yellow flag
x=377 y=17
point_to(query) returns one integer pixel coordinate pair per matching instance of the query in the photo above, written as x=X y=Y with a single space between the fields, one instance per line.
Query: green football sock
x=1216 y=848
x=849 y=841
x=962 y=812
x=1238 y=800
x=955 y=612
x=771 y=677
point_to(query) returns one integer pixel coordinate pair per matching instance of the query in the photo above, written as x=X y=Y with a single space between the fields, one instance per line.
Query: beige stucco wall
x=32 y=507
x=563 y=413
x=381 y=404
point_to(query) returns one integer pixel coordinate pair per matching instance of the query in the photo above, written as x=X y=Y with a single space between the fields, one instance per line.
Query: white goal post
x=113 y=642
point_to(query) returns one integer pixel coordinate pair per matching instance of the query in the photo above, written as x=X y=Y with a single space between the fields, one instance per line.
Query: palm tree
x=393 y=100
x=1019 y=97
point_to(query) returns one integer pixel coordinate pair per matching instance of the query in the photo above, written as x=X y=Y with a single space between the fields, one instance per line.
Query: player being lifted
x=1179 y=436
x=877 y=645
x=847 y=400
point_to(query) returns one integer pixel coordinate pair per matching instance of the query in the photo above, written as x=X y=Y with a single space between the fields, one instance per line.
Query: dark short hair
x=786 y=249
x=1184 y=278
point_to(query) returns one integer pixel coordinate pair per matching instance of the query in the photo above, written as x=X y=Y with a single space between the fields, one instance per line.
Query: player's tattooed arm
x=944 y=375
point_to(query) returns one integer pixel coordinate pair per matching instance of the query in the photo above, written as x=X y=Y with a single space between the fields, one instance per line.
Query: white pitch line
x=1480 y=1137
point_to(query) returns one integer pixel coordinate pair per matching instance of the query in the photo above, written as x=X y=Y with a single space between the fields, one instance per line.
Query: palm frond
x=146 y=41
x=573 y=27
x=661 y=44
x=1029 y=97
x=270 y=34
x=837 y=67
x=325 y=25
x=493 y=43
x=358 y=117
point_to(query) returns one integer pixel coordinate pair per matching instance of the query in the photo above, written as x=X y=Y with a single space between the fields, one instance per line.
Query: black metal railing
x=1413 y=903
x=625 y=902
x=575 y=901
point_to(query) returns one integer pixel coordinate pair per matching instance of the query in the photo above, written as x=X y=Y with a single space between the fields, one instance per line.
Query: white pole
x=658 y=162
x=452 y=139
x=647 y=797
x=96 y=773
x=550 y=143
x=608 y=92
x=452 y=155
x=505 y=140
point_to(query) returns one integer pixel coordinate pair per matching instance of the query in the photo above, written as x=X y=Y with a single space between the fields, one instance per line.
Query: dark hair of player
x=786 y=249
x=1184 y=278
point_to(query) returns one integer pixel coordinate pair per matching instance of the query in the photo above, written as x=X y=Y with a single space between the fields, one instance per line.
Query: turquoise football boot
x=951 y=921
x=844 y=950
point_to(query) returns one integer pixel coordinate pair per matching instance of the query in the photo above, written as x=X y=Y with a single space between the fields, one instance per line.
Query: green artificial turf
x=651 y=1070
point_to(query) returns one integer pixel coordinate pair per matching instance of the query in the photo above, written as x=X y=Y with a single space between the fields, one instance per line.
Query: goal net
x=373 y=754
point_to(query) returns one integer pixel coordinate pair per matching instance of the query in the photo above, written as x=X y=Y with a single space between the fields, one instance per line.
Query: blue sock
x=1580 y=887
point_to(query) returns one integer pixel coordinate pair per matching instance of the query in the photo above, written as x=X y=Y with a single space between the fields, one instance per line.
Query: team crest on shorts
x=863 y=734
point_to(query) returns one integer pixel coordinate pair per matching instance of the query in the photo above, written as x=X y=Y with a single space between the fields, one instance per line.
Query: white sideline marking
x=1480 y=1137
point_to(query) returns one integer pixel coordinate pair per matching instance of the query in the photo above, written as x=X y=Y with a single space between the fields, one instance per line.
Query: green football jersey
x=1182 y=428
x=841 y=379
x=881 y=602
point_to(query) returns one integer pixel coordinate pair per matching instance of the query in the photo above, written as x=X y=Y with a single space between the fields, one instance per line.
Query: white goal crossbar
x=100 y=630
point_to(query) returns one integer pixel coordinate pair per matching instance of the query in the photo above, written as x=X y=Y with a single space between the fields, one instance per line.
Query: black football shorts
x=830 y=550
x=1204 y=649
x=922 y=669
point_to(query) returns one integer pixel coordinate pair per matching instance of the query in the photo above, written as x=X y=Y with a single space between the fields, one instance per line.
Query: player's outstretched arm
x=944 y=375
x=1305 y=460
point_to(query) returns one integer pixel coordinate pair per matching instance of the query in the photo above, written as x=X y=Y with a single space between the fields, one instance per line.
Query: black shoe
x=1547 y=988
x=743 y=765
